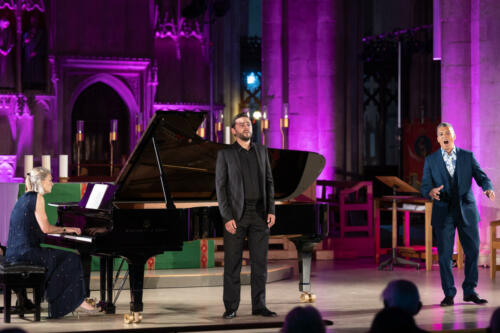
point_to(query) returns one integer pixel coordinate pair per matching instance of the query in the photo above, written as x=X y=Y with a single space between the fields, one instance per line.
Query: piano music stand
x=398 y=186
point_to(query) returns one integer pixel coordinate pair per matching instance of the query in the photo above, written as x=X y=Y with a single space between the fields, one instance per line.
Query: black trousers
x=254 y=226
x=469 y=237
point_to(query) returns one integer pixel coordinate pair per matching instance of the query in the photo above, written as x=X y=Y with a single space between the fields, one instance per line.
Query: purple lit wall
x=470 y=72
x=301 y=52
x=272 y=67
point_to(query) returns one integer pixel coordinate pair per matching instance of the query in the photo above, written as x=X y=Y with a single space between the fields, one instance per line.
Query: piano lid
x=189 y=163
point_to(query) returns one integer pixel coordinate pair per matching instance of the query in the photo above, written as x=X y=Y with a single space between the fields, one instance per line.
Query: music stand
x=398 y=186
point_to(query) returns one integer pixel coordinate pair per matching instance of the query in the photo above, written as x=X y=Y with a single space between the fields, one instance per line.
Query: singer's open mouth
x=445 y=142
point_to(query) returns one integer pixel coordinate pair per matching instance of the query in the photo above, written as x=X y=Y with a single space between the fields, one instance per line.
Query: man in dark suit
x=245 y=193
x=447 y=179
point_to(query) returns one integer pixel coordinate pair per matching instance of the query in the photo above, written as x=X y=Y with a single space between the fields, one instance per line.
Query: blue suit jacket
x=435 y=174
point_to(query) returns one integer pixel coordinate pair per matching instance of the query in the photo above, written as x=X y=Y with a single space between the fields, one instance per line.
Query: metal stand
x=394 y=259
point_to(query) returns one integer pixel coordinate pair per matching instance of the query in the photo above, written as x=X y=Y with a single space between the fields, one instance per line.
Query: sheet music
x=96 y=196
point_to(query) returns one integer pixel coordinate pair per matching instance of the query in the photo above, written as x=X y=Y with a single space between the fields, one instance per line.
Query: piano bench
x=19 y=276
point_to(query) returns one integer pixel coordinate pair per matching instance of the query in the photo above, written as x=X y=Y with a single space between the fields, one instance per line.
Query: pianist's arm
x=43 y=221
x=221 y=187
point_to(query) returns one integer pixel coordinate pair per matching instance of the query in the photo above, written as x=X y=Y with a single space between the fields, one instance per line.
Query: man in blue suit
x=447 y=179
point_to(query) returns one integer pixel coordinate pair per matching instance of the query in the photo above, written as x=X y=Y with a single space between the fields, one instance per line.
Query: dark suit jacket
x=229 y=182
x=435 y=174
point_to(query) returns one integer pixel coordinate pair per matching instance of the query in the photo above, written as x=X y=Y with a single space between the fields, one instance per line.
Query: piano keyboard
x=86 y=239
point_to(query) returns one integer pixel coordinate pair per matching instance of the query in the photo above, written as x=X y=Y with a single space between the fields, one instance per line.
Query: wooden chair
x=494 y=246
x=345 y=197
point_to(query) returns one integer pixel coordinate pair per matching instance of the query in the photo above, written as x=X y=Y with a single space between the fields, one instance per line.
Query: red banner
x=419 y=140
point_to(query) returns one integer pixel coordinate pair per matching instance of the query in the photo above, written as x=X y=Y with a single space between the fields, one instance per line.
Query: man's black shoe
x=265 y=312
x=475 y=299
x=229 y=314
x=447 y=301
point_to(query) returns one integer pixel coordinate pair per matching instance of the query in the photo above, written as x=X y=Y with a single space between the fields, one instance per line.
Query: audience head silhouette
x=13 y=330
x=393 y=320
x=402 y=294
x=495 y=322
x=303 y=319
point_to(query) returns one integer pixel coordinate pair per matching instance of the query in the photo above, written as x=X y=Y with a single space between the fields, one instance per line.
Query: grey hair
x=445 y=125
x=34 y=179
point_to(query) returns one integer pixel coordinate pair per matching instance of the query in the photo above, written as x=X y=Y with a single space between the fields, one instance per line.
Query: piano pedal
x=307 y=298
x=134 y=317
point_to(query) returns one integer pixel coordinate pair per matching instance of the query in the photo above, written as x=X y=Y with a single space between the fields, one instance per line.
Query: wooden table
x=378 y=205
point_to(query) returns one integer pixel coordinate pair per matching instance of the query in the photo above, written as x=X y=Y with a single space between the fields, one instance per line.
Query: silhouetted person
x=495 y=322
x=403 y=295
x=393 y=320
x=13 y=330
x=303 y=319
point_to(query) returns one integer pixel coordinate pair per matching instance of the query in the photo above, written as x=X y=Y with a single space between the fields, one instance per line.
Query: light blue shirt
x=450 y=160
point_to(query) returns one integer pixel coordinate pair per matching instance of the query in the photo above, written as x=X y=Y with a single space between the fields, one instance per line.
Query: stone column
x=272 y=67
x=230 y=64
x=456 y=68
x=485 y=100
x=470 y=81
x=316 y=80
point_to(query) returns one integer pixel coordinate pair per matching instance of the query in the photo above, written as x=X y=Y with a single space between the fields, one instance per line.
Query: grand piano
x=165 y=195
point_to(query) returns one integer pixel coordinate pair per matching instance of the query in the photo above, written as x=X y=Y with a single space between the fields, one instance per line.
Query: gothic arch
x=121 y=88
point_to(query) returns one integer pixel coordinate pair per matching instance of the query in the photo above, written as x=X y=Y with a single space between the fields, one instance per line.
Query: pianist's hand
x=271 y=219
x=96 y=230
x=73 y=230
x=231 y=226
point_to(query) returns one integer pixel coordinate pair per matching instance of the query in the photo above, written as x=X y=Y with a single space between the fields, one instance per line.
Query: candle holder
x=138 y=126
x=79 y=142
x=201 y=132
x=113 y=137
x=219 y=128
x=284 y=125
x=264 y=125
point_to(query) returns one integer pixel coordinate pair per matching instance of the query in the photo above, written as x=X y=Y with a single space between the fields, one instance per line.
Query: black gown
x=64 y=283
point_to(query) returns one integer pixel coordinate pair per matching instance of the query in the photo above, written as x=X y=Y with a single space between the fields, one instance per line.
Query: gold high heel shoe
x=83 y=310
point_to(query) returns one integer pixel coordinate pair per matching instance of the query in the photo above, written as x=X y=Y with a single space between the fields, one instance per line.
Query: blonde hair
x=34 y=179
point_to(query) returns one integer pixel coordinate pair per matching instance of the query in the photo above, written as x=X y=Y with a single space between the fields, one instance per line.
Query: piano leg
x=136 y=280
x=110 y=307
x=136 y=276
x=305 y=249
x=86 y=264
x=102 y=282
x=106 y=285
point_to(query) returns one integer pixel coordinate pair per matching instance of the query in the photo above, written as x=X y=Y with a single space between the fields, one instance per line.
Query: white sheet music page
x=96 y=196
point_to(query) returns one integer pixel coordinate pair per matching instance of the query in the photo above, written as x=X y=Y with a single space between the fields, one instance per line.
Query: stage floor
x=348 y=293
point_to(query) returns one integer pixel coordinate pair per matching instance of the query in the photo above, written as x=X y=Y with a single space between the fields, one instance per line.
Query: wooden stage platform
x=348 y=293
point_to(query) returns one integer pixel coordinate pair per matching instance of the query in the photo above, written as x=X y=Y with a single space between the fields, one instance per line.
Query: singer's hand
x=490 y=194
x=231 y=226
x=435 y=192
x=271 y=219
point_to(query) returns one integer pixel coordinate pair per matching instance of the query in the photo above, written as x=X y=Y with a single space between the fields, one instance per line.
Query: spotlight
x=257 y=115
x=251 y=78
